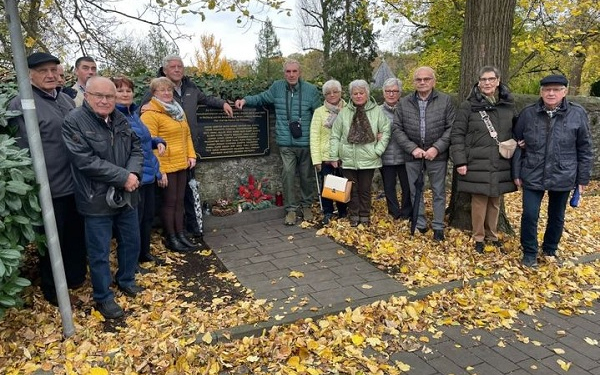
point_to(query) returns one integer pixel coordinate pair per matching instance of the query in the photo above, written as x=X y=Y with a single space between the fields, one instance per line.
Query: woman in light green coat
x=320 y=132
x=359 y=136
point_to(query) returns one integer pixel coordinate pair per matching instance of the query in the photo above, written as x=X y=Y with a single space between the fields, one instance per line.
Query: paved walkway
x=263 y=253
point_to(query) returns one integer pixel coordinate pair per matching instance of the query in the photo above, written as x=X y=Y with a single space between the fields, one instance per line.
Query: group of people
x=418 y=133
x=105 y=158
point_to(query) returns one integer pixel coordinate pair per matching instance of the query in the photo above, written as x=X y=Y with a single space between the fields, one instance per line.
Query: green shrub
x=19 y=213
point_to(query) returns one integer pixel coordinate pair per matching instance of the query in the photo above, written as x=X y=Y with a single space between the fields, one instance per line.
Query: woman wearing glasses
x=394 y=168
x=150 y=168
x=320 y=131
x=488 y=112
x=165 y=118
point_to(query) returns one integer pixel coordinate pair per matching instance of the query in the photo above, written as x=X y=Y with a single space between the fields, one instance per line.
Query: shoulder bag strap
x=488 y=123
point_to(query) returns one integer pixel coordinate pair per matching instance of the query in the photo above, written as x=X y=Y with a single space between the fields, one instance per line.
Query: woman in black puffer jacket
x=482 y=171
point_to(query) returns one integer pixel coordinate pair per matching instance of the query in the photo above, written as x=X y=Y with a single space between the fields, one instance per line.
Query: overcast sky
x=238 y=42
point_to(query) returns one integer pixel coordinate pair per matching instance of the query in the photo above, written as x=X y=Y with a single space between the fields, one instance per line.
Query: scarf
x=390 y=108
x=360 y=130
x=173 y=109
x=551 y=112
x=333 y=113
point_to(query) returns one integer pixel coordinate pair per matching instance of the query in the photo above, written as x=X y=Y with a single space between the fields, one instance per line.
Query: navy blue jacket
x=150 y=167
x=558 y=152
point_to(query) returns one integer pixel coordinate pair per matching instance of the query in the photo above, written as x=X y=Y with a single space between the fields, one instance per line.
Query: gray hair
x=393 y=82
x=487 y=69
x=359 y=84
x=167 y=59
x=331 y=84
x=291 y=62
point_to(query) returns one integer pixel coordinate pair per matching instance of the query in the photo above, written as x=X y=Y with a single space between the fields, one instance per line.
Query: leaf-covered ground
x=159 y=333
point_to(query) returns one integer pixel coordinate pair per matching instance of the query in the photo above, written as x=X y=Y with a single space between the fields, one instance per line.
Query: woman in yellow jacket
x=165 y=118
x=320 y=131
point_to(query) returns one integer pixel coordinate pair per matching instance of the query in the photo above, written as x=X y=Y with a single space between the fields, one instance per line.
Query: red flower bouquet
x=253 y=195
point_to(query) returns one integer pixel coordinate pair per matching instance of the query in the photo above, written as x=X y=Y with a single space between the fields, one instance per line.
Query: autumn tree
x=268 y=54
x=90 y=27
x=209 y=59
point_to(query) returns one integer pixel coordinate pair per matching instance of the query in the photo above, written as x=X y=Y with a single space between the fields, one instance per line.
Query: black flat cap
x=554 y=79
x=39 y=58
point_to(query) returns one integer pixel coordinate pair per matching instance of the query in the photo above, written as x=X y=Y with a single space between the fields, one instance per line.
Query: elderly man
x=295 y=101
x=85 y=68
x=51 y=108
x=422 y=125
x=189 y=96
x=106 y=159
x=557 y=157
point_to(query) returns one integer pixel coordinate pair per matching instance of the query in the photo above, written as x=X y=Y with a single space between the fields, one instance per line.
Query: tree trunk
x=486 y=41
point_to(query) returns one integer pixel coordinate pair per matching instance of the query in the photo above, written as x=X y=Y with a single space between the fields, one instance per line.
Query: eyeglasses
x=553 y=89
x=424 y=79
x=491 y=79
x=332 y=92
x=108 y=98
x=391 y=91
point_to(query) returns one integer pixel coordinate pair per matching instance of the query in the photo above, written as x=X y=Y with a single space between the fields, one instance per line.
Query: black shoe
x=326 y=219
x=186 y=241
x=145 y=258
x=110 y=309
x=354 y=223
x=423 y=230
x=131 y=290
x=141 y=270
x=479 y=246
x=438 y=234
x=172 y=243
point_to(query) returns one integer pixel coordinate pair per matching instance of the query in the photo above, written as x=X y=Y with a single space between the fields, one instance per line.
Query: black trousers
x=146 y=208
x=389 y=174
x=71 y=236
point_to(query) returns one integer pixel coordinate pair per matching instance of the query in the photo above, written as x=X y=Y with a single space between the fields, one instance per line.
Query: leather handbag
x=505 y=148
x=337 y=188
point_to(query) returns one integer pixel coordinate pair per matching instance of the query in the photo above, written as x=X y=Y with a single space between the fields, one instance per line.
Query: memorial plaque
x=246 y=134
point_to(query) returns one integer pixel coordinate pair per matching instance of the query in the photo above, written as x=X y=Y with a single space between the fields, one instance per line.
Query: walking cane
x=318 y=189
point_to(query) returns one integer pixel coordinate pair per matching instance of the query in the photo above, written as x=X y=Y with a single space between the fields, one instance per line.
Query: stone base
x=212 y=222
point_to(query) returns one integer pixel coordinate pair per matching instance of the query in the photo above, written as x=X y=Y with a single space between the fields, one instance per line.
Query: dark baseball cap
x=39 y=58
x=554 y=79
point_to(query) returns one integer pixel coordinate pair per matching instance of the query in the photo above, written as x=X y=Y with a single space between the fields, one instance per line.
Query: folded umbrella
x=419 y=183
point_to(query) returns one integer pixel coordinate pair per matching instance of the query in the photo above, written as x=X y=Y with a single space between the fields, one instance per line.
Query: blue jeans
x=98 y=234
x=557 y=204
x=326 y=169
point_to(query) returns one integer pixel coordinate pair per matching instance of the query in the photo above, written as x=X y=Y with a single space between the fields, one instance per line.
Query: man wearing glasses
x=556 y=157
x=106 y=163
x=422 y=124
x=51 y=107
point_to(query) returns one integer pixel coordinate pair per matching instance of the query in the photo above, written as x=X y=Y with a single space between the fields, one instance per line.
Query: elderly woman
x=393 y=158
x=482 y=171
x=320 y=132
x=165 y=118
x=150 y=168
x=355 y=142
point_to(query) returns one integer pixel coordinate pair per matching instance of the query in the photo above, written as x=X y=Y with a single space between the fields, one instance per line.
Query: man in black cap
x=51 y=107
x=556 y=157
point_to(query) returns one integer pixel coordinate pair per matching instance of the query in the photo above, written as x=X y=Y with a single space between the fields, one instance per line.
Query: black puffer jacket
x=101 y=156
x=558 y=152
x=439 y=116
x=488 y=173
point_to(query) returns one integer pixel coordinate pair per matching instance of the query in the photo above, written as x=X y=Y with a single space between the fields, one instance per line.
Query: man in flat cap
x=51 y=107
x=556 y=157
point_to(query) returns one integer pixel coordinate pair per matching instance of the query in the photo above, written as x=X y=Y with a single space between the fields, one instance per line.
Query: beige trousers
x=484 y=217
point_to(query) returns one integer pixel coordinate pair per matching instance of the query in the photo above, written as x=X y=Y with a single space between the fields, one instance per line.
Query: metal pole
x=39 y=165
